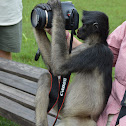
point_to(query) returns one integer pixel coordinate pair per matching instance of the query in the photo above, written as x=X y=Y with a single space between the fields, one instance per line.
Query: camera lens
x=38 y=18
x=35 y=18
x=42 y=18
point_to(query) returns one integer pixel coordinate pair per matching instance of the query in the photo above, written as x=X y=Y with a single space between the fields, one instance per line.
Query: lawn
x=115 y=9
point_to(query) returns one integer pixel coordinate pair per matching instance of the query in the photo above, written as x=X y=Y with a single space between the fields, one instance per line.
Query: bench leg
x=42 y=99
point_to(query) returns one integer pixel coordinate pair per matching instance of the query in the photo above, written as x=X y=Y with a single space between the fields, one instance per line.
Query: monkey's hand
x=45 y=6
x=55 y=4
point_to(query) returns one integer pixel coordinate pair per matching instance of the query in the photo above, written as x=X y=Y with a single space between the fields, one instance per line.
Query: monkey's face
x=93 y=22
x=84 y=31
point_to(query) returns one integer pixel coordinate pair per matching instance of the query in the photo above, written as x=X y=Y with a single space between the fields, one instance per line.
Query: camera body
x=43 y=19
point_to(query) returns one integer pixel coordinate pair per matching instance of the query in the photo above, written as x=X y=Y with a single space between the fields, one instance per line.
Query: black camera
x=43 y=19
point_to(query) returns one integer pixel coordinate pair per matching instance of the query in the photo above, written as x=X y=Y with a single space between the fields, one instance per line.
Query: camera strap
x=53 y=94
x=58 y=89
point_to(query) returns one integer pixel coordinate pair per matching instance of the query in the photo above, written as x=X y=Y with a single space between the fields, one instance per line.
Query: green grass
x=115 y=9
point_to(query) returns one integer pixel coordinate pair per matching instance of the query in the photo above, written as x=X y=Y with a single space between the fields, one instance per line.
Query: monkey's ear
x=95 y=26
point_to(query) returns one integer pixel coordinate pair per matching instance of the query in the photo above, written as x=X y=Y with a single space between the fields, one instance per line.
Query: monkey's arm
x=86 y=60
x=59 y=50
x=44 y=45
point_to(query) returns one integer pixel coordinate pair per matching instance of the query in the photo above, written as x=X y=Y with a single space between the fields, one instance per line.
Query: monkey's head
x=94 y=22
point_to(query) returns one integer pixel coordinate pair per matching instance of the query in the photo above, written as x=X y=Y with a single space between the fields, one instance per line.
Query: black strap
x=64 y=83
x=53 y=94
x=63 y=88
x=123 y=109
x=37 y=55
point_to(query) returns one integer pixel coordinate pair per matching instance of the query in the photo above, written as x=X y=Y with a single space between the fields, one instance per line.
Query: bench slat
x=21 y=97
x=18 y=96
x=16 y=112
x=18 y=82
x=22 y=70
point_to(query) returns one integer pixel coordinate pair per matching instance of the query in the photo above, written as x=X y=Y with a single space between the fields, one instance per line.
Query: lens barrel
x=38 y=18
x=41 y=18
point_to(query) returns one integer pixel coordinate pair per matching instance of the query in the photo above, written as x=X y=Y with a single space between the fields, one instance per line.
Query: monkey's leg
x=42 y=99
x=74 y=121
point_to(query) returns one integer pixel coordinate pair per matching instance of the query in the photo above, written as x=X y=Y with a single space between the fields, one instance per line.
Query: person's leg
x=10 y=40
x=6 y=55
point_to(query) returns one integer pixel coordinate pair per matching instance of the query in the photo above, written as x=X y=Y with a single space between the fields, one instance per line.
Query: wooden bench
x=18 y=86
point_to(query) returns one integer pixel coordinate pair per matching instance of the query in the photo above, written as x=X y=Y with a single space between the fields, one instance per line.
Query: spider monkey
x=92 y=61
